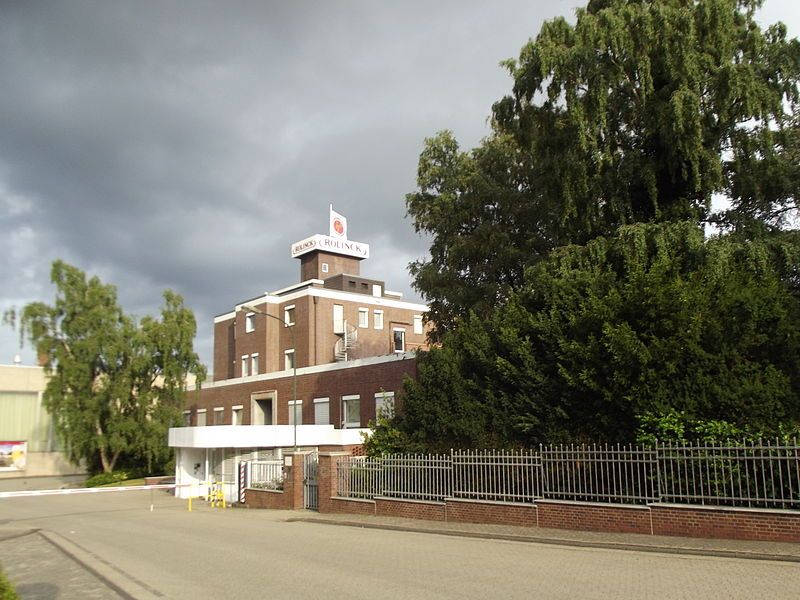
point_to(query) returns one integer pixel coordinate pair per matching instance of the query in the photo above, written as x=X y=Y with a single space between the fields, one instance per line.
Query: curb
x=532 y=539
x=123 y=584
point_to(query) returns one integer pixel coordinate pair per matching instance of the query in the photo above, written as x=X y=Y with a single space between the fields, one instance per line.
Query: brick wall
x=496 y=513
x=351 y=507
x=586 y=516
x=738 y=524
x=266 y=499
x=410 y=509
x=365 y=381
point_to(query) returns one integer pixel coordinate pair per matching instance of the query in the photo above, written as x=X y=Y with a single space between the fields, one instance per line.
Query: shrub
x=6 y=589
x=106 y=478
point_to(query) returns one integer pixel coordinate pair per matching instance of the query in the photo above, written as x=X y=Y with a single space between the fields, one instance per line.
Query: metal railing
x=619 y=474
x=265 y=474
x=497 y=475
x=759 y=474
x=756 y=475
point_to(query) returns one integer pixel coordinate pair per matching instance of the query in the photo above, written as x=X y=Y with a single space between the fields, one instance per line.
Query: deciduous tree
x=116 y=384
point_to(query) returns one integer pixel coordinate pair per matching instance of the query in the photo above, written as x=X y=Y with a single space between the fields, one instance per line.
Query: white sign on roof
x=326 y=243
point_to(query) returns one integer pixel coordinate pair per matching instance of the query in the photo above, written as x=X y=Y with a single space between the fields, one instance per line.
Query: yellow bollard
x=190 y=504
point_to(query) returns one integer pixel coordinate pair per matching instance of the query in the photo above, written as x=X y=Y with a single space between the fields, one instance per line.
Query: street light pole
x=256 y=311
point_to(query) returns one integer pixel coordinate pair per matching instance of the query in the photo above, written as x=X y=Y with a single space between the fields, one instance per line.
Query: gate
x=310 y=486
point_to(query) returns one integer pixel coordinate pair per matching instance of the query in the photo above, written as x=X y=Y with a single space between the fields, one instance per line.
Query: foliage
x=678 y=427
x=116 y=384
x=106 y=478
x=639 y=112
x=274 y=484
x=653 y=319
x=384 y=437
x=573 y=293
x=6 y=589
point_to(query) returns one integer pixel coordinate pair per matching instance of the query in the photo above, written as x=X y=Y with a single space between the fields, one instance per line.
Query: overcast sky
x=186 y=145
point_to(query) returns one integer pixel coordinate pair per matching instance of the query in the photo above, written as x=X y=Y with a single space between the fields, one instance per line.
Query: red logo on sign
x=338 y=226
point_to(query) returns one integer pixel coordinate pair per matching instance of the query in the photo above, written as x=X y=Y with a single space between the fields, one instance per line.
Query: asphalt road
x=112 y=545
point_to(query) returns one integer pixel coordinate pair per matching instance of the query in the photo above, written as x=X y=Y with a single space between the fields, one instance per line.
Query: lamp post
x=256 y=311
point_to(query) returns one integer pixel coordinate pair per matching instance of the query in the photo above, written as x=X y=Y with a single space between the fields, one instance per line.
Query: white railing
x=265 y=474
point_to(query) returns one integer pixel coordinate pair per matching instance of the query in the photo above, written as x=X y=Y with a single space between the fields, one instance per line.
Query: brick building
x=343 y=341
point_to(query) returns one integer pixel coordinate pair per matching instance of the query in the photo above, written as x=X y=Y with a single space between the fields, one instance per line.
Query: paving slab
x=40 y=570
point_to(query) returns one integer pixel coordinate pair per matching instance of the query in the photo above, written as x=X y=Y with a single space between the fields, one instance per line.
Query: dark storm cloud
x=187 y=144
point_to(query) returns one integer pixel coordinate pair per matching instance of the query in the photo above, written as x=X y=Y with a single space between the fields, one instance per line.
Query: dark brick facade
x=365 y=381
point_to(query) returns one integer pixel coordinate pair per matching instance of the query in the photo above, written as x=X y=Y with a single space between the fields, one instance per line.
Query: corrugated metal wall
x=22 y=417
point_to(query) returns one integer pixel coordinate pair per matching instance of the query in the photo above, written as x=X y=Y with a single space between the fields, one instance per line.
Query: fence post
x=327 y=479
x=658 y=494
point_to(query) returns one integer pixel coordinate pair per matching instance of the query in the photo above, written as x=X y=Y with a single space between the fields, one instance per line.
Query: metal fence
x=618 y=474
x=265 y=474
x=757 y=475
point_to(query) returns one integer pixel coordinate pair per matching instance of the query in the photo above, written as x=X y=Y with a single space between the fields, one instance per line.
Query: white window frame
x=294 y=412
x=325 y=267
x=377 y=315
x=363 y=317
x=418 y=324
x=402 y=330
x=202 y=411
x=245 y=365
x=237 y=414
x=254 y=363
x=219 y=410
x=286 y=365
x=319 y=402
x=250 y=322
x=288 y=311
x=347 y=422
x=384 y=400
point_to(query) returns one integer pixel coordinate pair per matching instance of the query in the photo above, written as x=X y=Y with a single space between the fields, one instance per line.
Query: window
x=245 y=361
x=351 y=409
x=324 y=267
x=338 y=318
x=418 y=324
x=288 y=315
x=363 y=317
x=254 y=364
x=377 y=291
x=249 y=322
x=322 y=411
x=201 y=417
x=378 y=319
x=236 y=415
x=399 y=339
x=187 y=418
x=288 y=359
x=384 y=404
x=219 y=415
x=295 y=412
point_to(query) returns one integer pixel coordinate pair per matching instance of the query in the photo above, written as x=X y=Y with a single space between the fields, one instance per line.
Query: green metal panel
x=22 y=417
